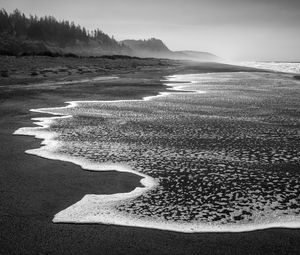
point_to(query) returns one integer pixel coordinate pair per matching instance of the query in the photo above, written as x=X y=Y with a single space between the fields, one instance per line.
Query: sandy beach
x=34 y=189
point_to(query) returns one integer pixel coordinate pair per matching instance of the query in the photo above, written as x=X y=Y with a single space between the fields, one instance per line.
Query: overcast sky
x=233 y=29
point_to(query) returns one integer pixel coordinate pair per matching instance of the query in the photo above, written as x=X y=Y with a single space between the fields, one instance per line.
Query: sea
x=217 y=152
x=286 y=67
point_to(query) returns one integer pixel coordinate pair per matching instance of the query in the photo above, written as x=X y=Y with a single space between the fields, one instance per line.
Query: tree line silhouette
x=49 y=29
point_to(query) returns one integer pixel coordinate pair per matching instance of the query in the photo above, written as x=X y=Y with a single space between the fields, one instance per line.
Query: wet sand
x=33 y=189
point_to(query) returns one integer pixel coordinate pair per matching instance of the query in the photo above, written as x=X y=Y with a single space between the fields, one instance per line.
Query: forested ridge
x=31 y=35
x=17 y=32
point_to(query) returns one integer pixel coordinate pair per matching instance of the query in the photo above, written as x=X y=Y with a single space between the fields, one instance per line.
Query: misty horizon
x=234 y=30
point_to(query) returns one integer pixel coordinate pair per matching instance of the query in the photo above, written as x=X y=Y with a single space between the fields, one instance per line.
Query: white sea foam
x=102 y=208
x=48 y=150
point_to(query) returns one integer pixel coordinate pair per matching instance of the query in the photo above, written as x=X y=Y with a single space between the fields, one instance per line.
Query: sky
x=238 y=30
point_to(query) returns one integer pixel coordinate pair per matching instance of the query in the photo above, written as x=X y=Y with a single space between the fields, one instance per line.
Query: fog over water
x=286 y=67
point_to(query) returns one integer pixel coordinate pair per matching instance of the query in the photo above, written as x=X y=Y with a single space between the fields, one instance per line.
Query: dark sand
x=33 y=189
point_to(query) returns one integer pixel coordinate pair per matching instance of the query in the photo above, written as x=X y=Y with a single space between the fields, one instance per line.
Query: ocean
x=286 y=67
x=218 y=152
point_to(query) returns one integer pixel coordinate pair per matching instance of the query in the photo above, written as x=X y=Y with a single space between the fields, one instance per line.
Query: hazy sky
x=234 y=29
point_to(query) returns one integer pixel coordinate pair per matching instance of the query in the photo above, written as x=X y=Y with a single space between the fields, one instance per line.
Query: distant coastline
x=46 y=36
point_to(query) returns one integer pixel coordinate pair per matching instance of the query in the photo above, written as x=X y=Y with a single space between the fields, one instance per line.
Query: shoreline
x=74 y=213
x=48 y=141
x=32 y=188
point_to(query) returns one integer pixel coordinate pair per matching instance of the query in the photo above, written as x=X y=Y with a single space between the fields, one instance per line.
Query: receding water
x=226 y=155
